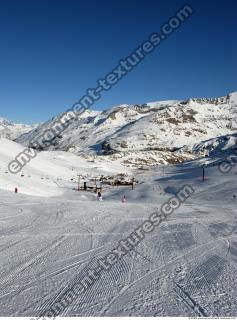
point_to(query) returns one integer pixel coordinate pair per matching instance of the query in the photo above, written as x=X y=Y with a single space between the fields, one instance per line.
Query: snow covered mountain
x=11 y=131
x=136 y=135
x=184 y=265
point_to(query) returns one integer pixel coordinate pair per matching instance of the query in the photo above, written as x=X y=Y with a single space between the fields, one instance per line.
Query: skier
x=123 y=199
x=99 y=196
x=16 y=190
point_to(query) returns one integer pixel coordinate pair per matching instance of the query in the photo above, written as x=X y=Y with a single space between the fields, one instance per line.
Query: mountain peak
x=148 y=133
x=11 y=130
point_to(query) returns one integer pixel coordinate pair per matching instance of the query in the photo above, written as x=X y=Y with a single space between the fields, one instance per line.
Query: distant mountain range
x=12 y=131
x=141 y=135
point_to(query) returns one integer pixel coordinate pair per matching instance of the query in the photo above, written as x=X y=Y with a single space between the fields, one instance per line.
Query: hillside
x=50 y=173
x=135 y=135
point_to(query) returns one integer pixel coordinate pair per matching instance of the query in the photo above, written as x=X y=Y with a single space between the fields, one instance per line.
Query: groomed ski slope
x=49 y=173
x=186 y=267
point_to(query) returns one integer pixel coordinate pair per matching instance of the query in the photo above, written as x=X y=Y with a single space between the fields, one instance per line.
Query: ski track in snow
x=186 y=266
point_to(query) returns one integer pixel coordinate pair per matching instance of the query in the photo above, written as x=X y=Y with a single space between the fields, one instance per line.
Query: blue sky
x=53 y=50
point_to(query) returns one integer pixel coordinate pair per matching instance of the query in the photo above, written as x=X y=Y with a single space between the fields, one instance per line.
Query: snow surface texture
x=12 y=130
x=50 y=173
x=51 y=233
x=186 y=267
x=144 y=135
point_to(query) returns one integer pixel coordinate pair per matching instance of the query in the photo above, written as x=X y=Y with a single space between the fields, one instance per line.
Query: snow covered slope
x=145 y=134
x=10 y=130
x=185 y=267
x=220 y=146
x=50 y=173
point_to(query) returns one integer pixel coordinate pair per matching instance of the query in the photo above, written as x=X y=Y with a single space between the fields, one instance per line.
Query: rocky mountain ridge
x=147 y=134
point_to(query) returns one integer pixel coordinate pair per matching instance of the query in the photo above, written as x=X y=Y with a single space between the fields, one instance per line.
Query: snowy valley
x=52 y=232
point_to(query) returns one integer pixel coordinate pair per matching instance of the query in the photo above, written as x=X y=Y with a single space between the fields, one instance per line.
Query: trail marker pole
x=79 y=182
x=133 y=183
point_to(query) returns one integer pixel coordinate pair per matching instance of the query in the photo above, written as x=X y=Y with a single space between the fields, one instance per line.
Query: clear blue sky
x=53 y=50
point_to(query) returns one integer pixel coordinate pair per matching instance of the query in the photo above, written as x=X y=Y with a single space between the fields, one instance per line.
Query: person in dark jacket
x=99 y=196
